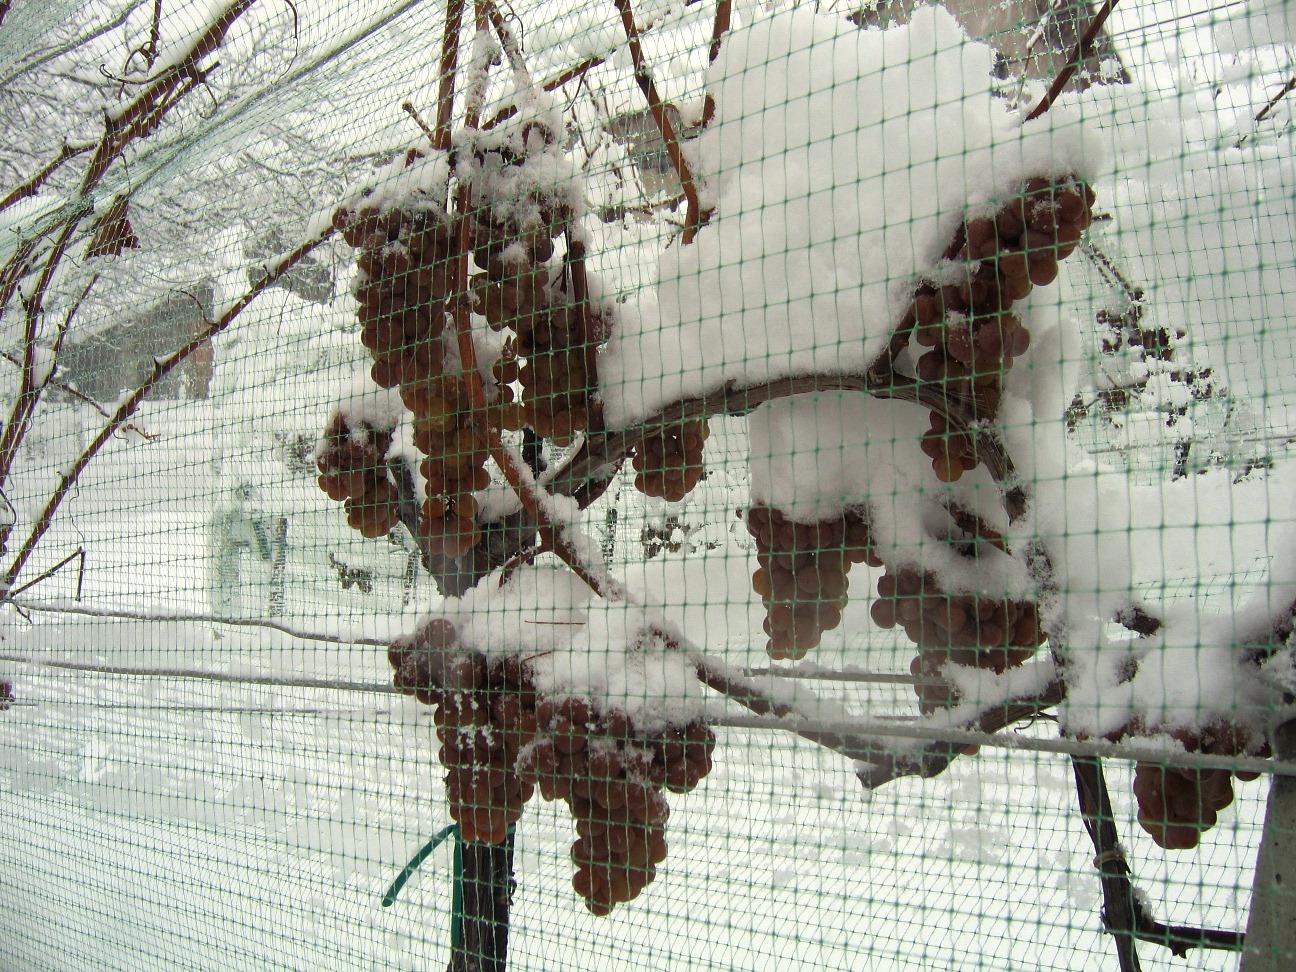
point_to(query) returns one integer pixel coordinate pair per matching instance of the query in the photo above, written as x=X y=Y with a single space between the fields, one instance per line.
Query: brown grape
x=405 y=284
x=485 y=716
x=962 y=629
x=968 y=323
x=611 y=781
x=668 y=460
x=1175 y=805
x=353 y=468
x=802 y=576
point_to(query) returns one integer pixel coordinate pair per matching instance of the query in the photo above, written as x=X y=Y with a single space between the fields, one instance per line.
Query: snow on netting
x=647 y=485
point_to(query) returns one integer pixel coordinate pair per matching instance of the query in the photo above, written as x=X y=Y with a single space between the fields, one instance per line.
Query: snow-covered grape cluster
x=667 y=459
x=967 y=322
x=611 y=778
x=405 y=281
x=485 y=716
x=517 y=217
x=962 y=629
x=501 y=739
x=353 y=468
x=802 y=576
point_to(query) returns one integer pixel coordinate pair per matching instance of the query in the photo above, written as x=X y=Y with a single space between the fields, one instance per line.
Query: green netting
x=647 y=485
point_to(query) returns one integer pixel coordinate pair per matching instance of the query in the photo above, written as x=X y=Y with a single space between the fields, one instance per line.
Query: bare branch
x=658 y=110
x=33 y=185
x=162 y=367
x=1077 y=58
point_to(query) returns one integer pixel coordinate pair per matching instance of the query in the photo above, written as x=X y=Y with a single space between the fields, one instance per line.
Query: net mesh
x=739 y=485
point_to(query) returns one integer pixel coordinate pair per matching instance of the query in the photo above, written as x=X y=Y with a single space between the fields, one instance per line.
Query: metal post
x=1271 y=928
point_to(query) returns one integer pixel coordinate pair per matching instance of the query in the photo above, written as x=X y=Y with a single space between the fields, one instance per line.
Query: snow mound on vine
x=840 y=163
x=580 y=645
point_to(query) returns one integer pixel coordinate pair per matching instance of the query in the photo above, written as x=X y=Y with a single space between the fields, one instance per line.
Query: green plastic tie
x=408 y=871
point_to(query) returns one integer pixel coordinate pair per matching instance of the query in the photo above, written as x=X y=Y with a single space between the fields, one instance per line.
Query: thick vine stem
x=1124 y=913
x=447 y=69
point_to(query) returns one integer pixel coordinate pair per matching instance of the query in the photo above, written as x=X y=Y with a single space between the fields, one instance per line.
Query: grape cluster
x=612 y=780
x=546 y=356
x=1175 y=806
x=968 y=324
x=405 y=283
x=485 y=717
x=962 y=629
x=500 y=741
x=802 y=574
x=512 y=232
x=353 y=467
x=668 y=460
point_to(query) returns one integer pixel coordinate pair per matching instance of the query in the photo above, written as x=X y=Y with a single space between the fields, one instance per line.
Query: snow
x=836 y=194
x=364 y=403
x=154 y=820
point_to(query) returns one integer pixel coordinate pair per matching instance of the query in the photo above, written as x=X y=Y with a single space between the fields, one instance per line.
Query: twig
x=448 y=69
x=150 y=50
x=574 y=73
x=1264 y=112
x=1073 y=65
x=79 y=552
x=162 y=367
x=1261 y=115
x=83 y=398
x=68 y=152
x=553 y=84
x=409 y=109
x=507 y=41
x=135 y=120
x=658 y=110
x=30 y=389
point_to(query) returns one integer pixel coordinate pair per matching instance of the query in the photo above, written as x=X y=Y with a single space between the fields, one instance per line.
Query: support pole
x=480 y=942
x=1271 y=928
